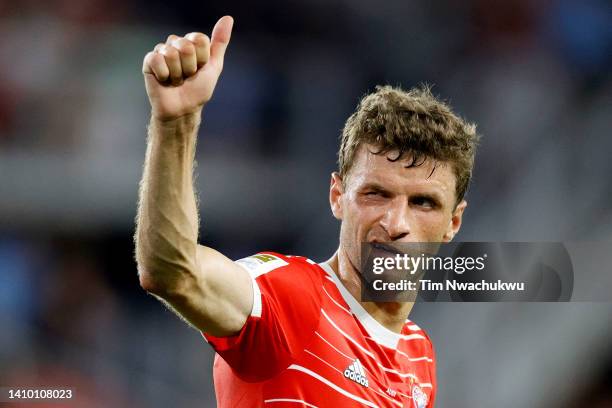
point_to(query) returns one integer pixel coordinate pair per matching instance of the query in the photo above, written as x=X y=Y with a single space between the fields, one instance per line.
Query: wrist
x=182 y=130
x=188 y=119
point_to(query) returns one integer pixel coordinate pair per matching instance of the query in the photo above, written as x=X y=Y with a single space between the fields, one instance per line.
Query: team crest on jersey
x=355 y=372
x=259 y=264
x=419 y=398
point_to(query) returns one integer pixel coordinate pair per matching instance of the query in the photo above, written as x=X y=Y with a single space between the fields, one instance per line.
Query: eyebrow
x=372 y=185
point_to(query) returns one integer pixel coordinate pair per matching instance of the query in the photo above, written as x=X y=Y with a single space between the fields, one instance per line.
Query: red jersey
x=309 y=343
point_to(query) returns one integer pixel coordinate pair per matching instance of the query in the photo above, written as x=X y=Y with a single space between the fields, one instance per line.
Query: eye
x=424 y=202
x=376 y=194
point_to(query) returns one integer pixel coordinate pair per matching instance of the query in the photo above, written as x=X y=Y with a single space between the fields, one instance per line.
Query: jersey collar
x=378 y=332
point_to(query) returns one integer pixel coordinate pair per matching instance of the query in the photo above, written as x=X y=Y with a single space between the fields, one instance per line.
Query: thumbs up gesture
x=181 y=74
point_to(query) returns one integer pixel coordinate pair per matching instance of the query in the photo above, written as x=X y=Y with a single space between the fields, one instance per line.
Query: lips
x=385 y=247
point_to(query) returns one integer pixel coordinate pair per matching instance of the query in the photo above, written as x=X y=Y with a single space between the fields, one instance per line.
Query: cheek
x=358 y=219
x=431 y=226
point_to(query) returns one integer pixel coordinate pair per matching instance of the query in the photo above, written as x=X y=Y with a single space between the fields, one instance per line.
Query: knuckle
x=169 y=52
x=156 y=58
x=198 y=39
x=184 y=46
x=171 y=38
x=147 y=61
x=158 y=46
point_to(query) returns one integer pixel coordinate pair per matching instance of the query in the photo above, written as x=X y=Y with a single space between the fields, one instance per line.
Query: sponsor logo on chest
x=355 y=372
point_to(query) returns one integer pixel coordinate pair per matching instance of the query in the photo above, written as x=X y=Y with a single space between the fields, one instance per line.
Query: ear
x=335 y=195
x=455 y=222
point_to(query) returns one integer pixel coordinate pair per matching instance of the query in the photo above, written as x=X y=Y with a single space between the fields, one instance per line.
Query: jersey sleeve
x=285 y=314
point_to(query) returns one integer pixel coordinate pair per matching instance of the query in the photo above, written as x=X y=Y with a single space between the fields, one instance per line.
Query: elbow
x=164 y=280
x=149 y=278
x=164 y=272
x=146 y=274
x=149 y=282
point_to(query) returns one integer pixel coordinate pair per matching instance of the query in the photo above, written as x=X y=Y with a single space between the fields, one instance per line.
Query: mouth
x=381 y=246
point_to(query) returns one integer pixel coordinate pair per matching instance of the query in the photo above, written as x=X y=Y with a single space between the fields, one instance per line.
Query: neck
x=391 y=315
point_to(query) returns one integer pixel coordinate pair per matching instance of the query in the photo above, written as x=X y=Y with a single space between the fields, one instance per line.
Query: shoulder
x=415 y=335
x=262 y=262
x=265 y=262
x=271 y=270
x=412 y=327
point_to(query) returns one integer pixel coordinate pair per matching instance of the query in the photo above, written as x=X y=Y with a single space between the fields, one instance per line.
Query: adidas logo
x=356 y=373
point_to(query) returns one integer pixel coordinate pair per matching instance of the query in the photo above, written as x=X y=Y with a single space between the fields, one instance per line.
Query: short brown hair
x=413 y=122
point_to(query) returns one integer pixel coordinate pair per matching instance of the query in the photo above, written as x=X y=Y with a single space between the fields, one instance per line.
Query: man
x=289 y=331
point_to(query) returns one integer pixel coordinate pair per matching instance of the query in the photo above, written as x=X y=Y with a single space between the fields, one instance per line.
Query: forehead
x=384 y=170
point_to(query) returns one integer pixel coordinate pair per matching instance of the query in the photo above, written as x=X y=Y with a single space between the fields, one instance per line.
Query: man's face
x=386 y=201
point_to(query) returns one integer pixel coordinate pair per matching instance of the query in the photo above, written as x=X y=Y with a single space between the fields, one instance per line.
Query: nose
x=396 y=220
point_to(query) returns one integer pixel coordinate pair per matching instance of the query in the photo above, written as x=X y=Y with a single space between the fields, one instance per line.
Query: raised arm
x=203 y=286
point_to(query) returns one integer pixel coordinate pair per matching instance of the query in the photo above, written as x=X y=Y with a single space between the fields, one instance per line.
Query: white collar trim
x=378 y=332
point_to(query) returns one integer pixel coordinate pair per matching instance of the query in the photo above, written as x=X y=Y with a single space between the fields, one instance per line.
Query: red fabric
x=307 y=345
x=290 y=314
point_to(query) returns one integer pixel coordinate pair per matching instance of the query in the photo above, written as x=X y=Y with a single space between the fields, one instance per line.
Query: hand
x=181 y=74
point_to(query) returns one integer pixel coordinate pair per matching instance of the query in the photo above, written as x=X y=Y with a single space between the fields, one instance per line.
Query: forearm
x=167 y=221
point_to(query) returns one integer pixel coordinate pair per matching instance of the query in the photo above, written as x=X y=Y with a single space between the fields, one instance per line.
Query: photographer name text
x=448 y=284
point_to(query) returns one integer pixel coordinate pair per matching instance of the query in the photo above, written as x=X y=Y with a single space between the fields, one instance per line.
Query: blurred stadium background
x=535 y=76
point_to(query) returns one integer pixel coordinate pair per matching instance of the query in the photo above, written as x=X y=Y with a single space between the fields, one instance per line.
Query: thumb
x=220 y=39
